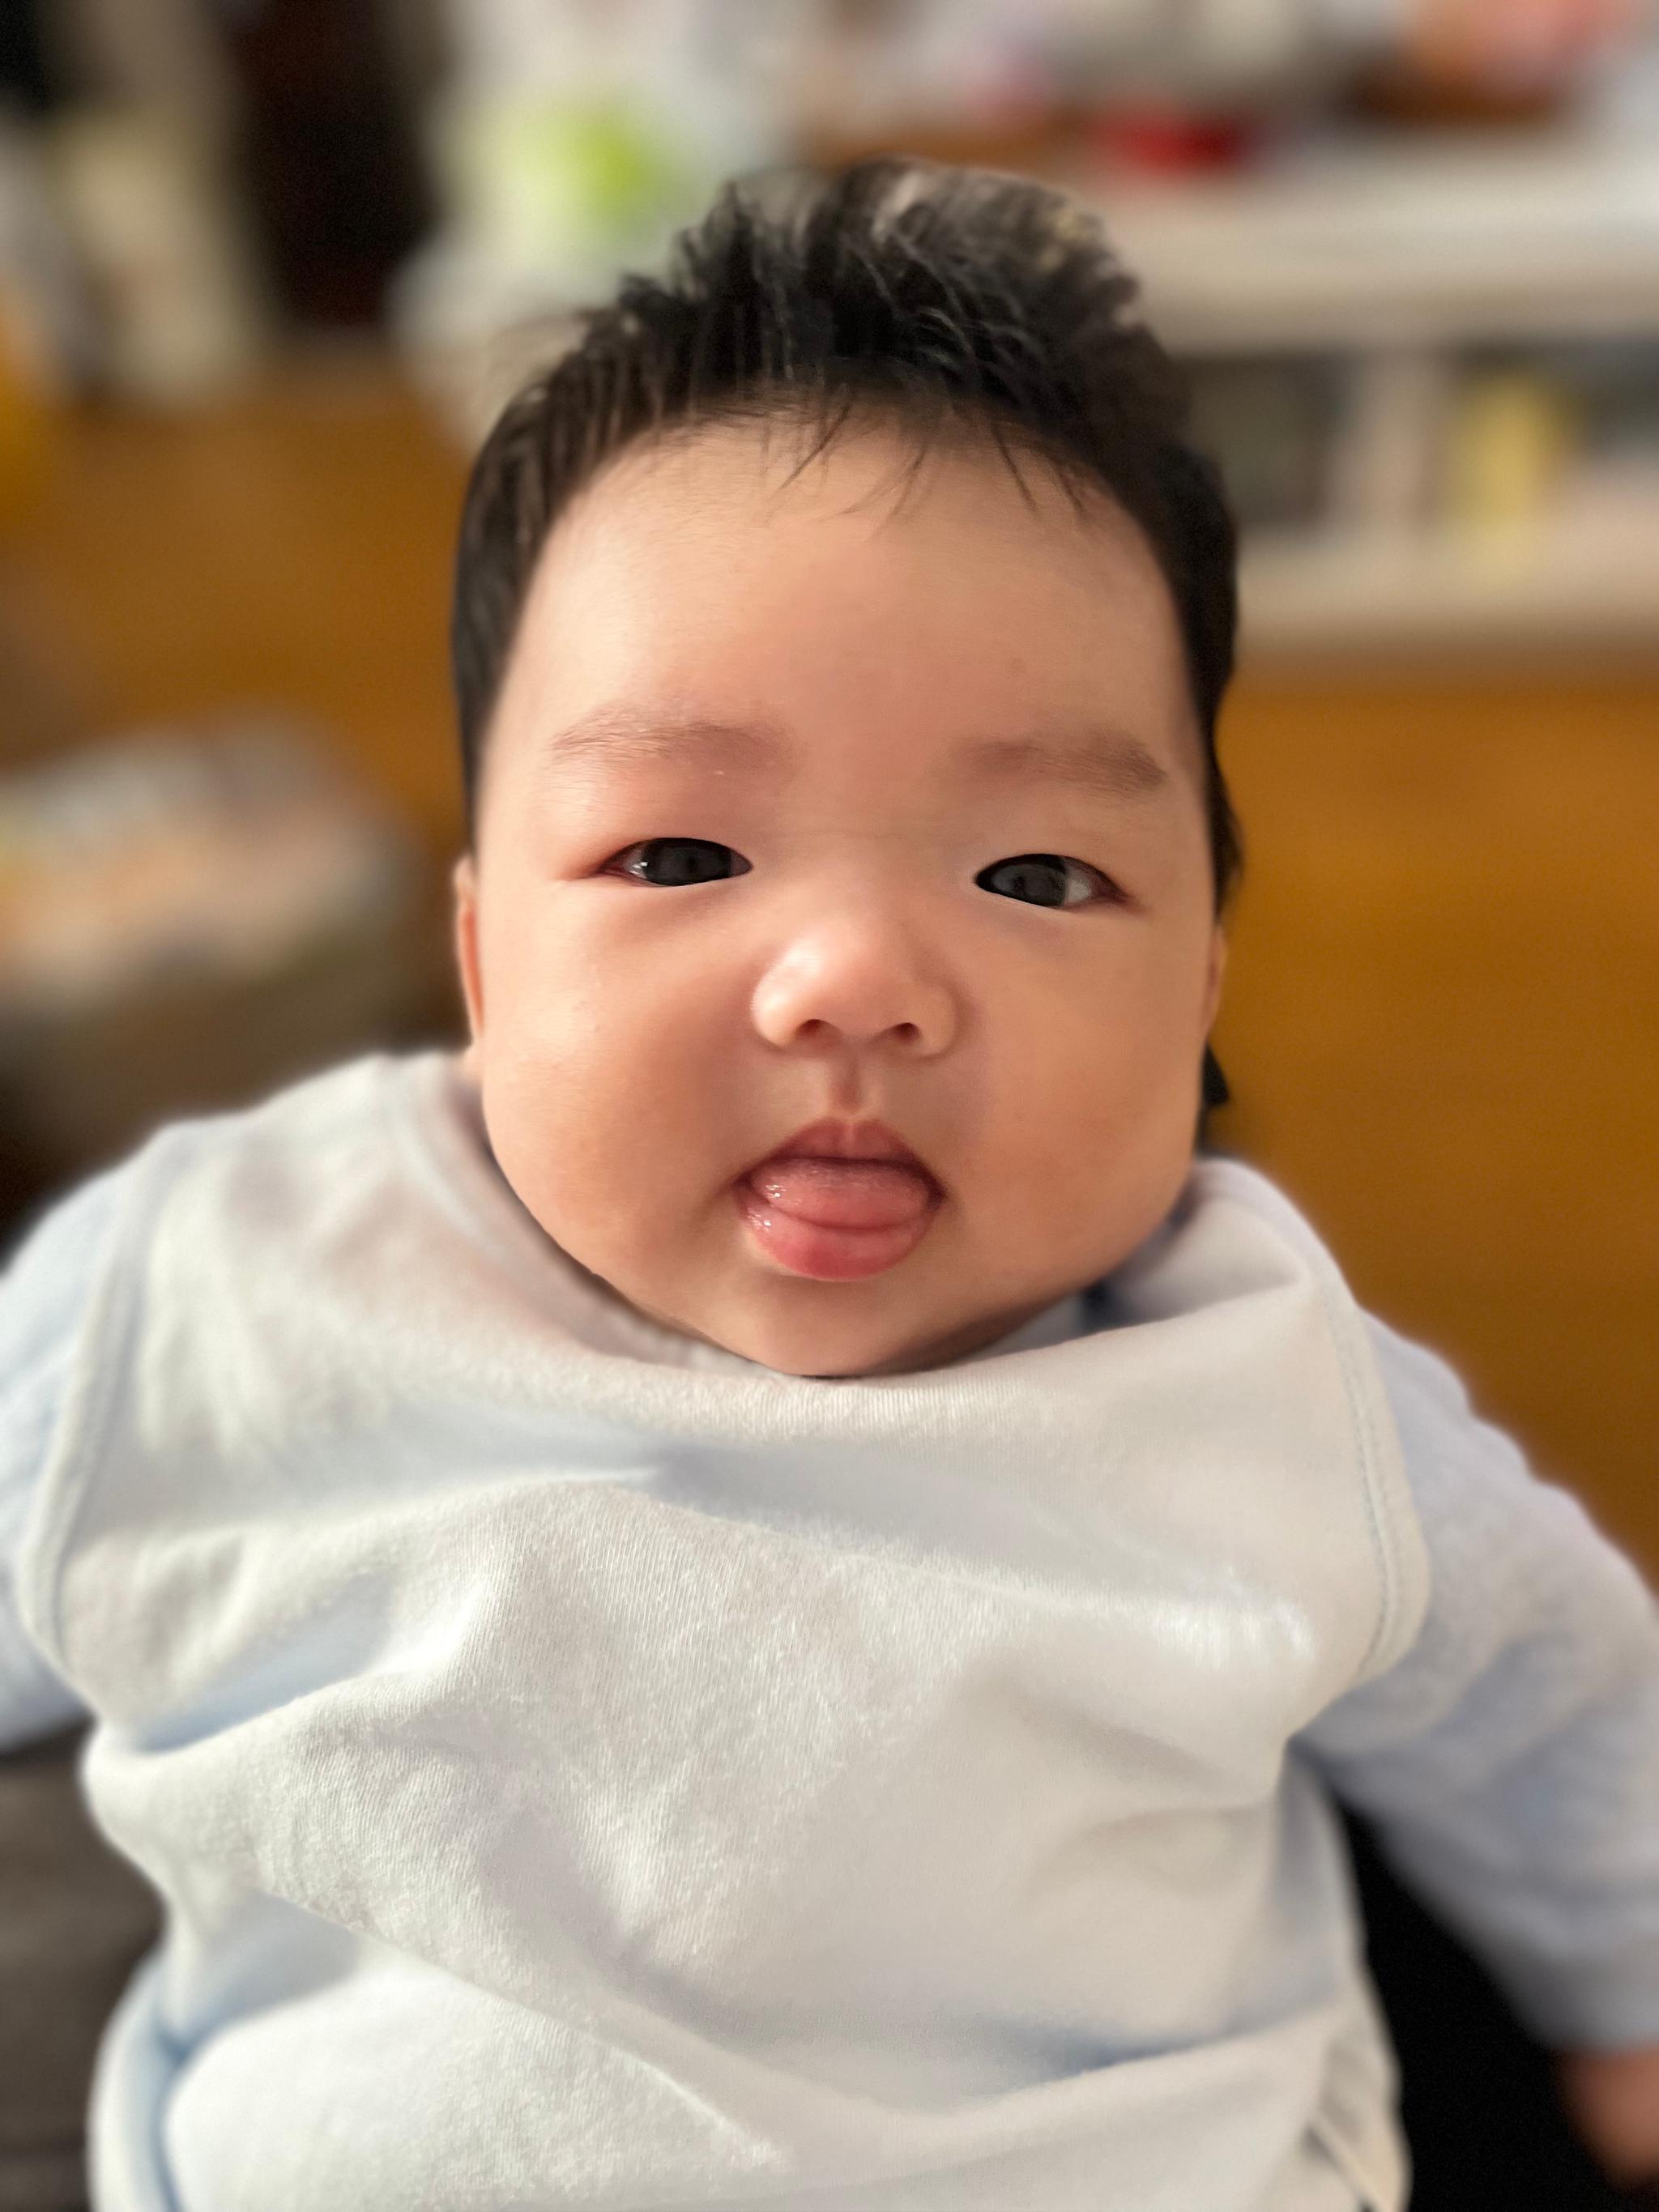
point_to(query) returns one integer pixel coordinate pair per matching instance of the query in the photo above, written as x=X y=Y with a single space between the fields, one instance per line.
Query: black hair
x=945 y=299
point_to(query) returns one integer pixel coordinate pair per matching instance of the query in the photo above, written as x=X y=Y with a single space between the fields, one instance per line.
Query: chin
x=817 y=1354
x=910 y=1356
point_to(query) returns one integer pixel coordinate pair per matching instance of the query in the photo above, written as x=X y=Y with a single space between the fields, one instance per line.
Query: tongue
x=844 y=1193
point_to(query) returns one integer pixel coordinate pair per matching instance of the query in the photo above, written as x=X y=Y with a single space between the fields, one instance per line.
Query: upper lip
x=848 y=1140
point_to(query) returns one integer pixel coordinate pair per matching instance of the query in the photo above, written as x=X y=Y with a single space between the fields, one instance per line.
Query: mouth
x=838 y=1200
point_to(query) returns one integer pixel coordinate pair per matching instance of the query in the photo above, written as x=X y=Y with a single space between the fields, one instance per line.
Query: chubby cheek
x=1098 y=1129
x=596 y=1099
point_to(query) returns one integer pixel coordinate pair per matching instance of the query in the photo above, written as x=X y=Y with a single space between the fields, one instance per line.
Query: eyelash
x=1109 y=891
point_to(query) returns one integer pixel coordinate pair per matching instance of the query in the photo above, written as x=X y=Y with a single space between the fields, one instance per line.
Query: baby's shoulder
x=1220 y=1180
x=338 y=1108
x=286 y=1161
x=1431 y=1405
x=203 y=1198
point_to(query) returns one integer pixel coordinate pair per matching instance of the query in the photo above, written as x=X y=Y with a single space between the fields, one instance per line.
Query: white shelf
x=1410 y=590
x=1396 y=242
x=1397 y=251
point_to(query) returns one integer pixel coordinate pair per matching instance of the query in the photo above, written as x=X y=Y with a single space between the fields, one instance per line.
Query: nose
x=857 y=981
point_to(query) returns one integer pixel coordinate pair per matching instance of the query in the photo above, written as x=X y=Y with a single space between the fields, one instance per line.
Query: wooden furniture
x=1442 y=1028
x=290 y=547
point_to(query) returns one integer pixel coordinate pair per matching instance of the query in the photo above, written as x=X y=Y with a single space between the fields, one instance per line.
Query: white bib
x=580 y=1780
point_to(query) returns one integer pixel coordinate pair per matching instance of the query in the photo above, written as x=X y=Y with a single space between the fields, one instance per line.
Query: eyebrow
x=1097 y=759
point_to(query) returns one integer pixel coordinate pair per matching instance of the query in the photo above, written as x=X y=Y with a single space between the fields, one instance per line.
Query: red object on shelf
x=1169 y=140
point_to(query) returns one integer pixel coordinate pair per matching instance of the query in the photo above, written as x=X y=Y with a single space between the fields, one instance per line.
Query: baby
x=751 y=1592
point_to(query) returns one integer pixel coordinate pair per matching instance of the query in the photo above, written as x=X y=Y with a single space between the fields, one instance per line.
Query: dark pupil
x=1038 y=877
x=691 y=860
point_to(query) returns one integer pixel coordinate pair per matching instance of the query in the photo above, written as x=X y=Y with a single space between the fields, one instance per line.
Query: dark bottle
x=338 y=190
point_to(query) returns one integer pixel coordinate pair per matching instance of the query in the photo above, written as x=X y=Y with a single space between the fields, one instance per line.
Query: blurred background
x=267 y=266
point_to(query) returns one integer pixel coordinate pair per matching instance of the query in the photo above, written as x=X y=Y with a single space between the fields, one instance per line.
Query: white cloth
x=584 y=1768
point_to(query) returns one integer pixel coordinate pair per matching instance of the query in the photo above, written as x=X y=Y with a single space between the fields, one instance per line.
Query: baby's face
x=809 y=797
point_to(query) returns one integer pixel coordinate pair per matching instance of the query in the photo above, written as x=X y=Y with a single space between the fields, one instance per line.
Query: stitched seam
x=1388 y=1611
x=1325 y=1281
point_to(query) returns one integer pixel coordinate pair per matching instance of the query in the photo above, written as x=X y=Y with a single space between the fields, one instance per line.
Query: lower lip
x=829 y=1256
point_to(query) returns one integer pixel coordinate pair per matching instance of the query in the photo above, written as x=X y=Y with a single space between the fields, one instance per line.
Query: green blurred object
x=612 y=168
x=570 y=185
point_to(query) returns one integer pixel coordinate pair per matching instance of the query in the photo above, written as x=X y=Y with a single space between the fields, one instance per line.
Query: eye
x=688 y=860
x=1040 y=879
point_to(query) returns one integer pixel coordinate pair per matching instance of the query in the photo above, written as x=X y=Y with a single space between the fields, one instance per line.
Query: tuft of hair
x=943 y=299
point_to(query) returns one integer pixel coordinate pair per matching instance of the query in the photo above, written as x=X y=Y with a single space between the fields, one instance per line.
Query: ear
x=1217 y=969
x=465 y=883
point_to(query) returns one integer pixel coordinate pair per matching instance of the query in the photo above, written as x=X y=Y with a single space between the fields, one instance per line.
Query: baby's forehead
x=777 y=472
x=724 y=580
